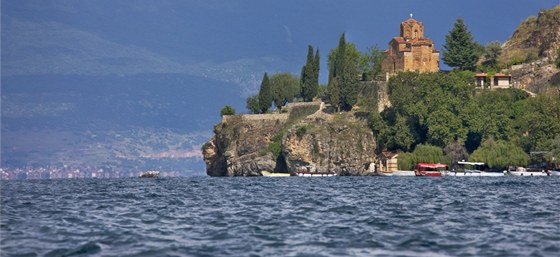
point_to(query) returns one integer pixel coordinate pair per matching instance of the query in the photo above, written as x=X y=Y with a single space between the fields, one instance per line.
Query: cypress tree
x=316 y=67
x=265 y=94
x=334 y=93
x=460 y=50
x=307 y=76
x=335 y=76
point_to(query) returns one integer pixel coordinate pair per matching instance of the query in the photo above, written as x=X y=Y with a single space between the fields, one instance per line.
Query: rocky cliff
x=529 y=54
x=305 y=136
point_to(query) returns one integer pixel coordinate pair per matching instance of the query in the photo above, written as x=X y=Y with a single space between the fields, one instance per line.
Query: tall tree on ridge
x=265 y=94
x=343 y=67
x=460 y=50
x=310 y=76
x=316 y=69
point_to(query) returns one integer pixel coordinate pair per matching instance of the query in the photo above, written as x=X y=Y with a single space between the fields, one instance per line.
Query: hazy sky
x=212 y=36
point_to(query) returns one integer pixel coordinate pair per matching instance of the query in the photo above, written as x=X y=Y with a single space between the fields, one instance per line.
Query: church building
x=411 y=51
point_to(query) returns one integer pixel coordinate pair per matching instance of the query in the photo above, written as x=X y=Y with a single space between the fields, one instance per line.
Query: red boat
x=430 y=169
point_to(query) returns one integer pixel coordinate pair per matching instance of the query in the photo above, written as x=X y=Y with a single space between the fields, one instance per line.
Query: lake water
x=294 y=216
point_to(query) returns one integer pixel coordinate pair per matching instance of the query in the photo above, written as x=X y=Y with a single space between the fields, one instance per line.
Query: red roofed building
x=411 y=51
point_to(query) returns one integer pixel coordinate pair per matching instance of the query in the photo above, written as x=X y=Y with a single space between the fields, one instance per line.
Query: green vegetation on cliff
x=444 y=110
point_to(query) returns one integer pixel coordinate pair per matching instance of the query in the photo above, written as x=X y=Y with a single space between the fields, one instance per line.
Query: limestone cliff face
x=538 y=36
x=338 y=143
x=239 y=145
x=244 y=145
x=534 y=44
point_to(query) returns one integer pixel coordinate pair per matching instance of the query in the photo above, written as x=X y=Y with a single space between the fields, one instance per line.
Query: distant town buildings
x=71 y=172
x=411 y=51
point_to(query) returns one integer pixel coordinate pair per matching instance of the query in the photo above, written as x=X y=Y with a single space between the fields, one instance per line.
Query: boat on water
x=473 y=169
x=529 y=173
x=521 y=171
x=313 y=174
x=430 y=169
x=311 y=171
x=399 y=173
x=266 y=173
x=149 y=174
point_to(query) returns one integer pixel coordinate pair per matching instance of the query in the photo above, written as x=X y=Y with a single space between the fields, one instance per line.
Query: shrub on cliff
x=253 y=104
x=227 y=110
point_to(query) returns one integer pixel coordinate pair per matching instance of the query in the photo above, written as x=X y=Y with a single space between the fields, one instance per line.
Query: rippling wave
x=266 y=216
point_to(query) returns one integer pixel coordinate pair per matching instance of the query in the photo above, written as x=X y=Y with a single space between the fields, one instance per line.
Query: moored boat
x=520 y=171
x=266 y=173
x=313 y=174
x=149 y=174
x=399 y=173
x=430 y=169
x=473 y=169
x=311 y=171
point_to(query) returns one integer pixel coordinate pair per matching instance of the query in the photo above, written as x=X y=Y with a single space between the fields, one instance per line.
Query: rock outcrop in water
x=304 y=136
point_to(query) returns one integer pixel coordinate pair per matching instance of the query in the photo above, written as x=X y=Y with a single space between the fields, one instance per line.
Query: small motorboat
x=149 y=174
x=266 y=173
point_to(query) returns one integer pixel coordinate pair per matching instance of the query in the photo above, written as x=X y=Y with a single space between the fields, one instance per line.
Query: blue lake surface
x=294 y=216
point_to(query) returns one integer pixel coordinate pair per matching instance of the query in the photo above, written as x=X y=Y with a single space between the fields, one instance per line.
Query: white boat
x=149 y=174
x=474 y=173
x=476 y=170
x=521 y=171
x=313 y=174
x=554 y=172
x=529 y=173
x=399 y=173
x=274 y=174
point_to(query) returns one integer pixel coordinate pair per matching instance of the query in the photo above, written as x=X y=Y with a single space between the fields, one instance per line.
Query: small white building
x=498 y=80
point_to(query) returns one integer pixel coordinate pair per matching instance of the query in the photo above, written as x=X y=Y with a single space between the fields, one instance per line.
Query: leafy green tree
x=460 y=50
x=422 y=153
x=227 y=110
x=492 y=52
x=496 y=115
x=500 y=154
x=456 y=151
x=400 y=136
x=429 y=154
x=310 y=76
x=284 y=87
x=539 y=120
x=406 y=161
x=253 y=104
x=375 y=58
x=553 y=148
x=265 y=94
x=444 y=127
